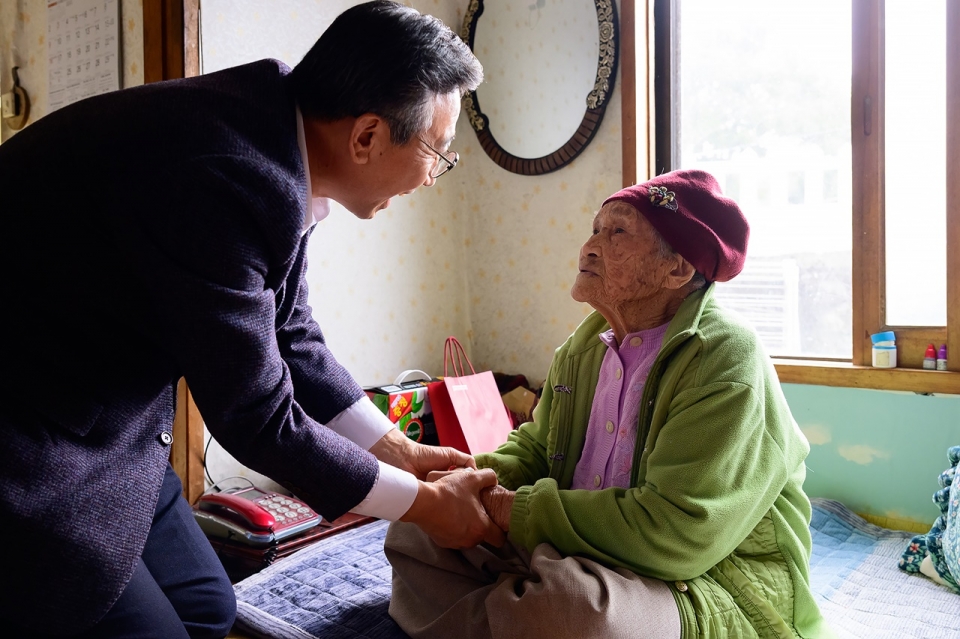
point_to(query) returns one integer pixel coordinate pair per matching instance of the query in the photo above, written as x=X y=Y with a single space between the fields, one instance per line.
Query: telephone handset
x=253 y=516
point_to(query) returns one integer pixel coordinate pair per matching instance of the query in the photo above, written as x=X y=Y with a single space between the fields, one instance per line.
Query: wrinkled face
x=620 y=264
x=400 y=170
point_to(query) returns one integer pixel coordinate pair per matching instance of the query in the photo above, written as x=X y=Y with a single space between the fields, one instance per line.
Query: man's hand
x=498 y=502
x=449 y=510
x=398 y=450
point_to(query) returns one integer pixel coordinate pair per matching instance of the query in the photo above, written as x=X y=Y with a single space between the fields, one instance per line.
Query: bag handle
x=453 y=351
x=402 y=377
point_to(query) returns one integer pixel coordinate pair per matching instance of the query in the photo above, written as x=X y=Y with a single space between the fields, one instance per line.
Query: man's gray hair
x=383 y=58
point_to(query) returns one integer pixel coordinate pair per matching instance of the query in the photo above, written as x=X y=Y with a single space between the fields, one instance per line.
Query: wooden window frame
x=648 y=123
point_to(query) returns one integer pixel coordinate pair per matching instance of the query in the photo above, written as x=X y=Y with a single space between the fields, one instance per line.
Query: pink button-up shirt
x=612 y=431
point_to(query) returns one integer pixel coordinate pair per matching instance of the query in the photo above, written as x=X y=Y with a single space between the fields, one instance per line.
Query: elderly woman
x=658 y=490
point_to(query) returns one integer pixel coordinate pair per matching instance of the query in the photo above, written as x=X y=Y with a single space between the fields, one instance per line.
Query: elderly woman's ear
x=681 y=274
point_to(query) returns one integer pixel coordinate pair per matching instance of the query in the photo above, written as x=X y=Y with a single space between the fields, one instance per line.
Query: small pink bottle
x=930 y=358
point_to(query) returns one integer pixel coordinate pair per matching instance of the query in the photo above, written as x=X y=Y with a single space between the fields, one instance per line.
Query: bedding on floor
x=860 y=588
x=340 y=587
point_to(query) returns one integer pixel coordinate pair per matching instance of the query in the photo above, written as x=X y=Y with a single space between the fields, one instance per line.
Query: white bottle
x=884 y=350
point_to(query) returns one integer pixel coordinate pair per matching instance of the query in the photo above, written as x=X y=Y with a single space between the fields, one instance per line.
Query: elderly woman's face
x=621 y=262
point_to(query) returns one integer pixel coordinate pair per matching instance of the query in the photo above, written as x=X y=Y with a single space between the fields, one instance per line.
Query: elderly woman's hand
x=498 y=502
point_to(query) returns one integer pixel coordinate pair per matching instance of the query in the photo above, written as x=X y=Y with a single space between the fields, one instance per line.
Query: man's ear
x=681 y=273
x=369 y=132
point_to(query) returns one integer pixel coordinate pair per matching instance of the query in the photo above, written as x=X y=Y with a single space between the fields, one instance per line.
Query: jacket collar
x=683 y=325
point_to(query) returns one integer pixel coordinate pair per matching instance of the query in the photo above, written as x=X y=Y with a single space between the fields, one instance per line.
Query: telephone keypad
x=284 y=510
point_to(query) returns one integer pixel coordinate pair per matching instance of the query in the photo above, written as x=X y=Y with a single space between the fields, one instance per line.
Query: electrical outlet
x=9 y=105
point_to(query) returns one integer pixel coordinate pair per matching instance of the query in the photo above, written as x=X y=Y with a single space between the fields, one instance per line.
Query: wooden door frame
x=171 y=50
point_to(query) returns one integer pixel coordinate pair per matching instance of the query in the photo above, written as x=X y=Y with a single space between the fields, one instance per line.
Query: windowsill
x=845 y=374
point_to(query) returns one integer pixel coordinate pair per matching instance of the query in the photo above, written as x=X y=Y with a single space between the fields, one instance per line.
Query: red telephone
x=253 y=516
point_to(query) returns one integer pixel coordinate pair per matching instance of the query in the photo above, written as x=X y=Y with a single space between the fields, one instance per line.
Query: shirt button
x=619 y=373
x=609 y=427
x=166 y=438
x=681 y=586
x=597 y=480
x=636 y=341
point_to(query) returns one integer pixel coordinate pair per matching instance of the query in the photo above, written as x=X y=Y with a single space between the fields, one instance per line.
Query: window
x=795 y=186
x=831 y=186
x=915 y=113
x=757 y=99
x=833 y=134
x=731 y=186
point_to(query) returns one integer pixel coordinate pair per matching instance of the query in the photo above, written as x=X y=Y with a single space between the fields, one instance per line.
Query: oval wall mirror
x=549 y=69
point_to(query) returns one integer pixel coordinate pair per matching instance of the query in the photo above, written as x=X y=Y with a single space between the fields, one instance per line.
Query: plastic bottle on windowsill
x=930 y=358
x=884 y=350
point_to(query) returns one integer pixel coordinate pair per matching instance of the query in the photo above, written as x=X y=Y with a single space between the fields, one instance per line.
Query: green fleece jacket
x=717 y=508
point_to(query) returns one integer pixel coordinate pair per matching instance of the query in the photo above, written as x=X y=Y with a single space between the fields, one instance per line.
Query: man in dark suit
x=160 y=232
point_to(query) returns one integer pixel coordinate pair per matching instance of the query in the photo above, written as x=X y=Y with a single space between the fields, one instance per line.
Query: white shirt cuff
x=362 y=423
x=391 y=496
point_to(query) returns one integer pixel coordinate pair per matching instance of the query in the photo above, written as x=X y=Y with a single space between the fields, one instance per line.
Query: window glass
x=915 y=159
x=765 y=107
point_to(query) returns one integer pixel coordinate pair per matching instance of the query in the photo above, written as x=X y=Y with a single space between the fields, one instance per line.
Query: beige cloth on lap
x=501 y=593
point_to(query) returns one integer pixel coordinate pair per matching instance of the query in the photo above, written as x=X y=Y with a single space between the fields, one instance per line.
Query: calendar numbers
x=82 y=49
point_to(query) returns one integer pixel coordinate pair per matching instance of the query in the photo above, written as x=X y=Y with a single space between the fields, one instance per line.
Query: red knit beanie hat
x=689 y=211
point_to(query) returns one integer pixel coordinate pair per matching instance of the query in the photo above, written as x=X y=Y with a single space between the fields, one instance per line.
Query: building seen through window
x=764 y=100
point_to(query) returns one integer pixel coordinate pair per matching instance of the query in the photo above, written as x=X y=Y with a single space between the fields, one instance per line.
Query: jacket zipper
x=646 y=411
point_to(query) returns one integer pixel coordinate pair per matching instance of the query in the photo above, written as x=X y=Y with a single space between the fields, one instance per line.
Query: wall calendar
x=83 y=49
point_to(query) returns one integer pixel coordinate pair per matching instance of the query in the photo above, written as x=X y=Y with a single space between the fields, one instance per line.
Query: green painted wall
x=878 y=452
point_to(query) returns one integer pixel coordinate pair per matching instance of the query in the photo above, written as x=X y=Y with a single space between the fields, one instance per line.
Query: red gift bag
x=467 y=409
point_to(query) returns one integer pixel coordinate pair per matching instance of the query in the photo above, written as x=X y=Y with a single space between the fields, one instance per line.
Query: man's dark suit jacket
x=150 y=234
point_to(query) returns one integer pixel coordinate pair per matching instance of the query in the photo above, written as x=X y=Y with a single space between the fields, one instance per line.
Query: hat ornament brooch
x=667 y=199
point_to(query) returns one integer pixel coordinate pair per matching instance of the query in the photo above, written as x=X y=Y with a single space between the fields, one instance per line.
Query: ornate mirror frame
x=596 y=100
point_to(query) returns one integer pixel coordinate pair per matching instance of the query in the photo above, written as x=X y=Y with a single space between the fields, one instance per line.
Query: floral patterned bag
x=407 y=404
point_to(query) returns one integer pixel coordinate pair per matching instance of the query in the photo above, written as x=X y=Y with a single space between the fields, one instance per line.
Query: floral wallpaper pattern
x=539 y=63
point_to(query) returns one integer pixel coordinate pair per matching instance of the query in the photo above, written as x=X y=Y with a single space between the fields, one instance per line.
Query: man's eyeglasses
x=445 y=161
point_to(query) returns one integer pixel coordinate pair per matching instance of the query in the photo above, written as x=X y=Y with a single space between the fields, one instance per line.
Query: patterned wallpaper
x=539 y=62
x=23 y=44
x=523 y=238
x=237 y=31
